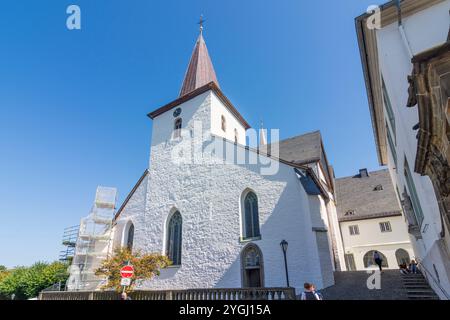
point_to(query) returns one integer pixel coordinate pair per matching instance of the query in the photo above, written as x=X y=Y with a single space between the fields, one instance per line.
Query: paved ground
x=352 y=285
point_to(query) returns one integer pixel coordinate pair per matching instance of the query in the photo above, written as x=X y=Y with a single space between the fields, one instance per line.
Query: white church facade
x=220 y=209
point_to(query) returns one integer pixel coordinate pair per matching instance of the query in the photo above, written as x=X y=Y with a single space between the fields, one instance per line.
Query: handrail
x=421 y=266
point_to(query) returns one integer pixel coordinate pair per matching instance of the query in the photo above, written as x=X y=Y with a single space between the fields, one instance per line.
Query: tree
x=3 y=268
x=146 y=266
x=27 y=282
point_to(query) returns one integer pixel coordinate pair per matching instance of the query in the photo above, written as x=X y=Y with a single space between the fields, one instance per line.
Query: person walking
x=310 y=293
x=378 y=260
x=413 y=266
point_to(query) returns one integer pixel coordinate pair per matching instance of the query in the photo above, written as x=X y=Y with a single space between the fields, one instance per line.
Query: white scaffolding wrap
x=94 y=238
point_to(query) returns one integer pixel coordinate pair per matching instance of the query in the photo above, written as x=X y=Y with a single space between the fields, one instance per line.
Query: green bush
x=27 y=282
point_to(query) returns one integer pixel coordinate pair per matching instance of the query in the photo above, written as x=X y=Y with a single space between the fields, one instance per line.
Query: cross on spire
x=200 y=22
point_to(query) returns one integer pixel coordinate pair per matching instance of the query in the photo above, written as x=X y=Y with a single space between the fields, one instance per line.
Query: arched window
x=174 y=235
x=369 y=261
x=402 y=257
x=252 y=267
x=250 y=216
x=130 y=237
x=177 y=128
x=224 y=124
x=235 y=136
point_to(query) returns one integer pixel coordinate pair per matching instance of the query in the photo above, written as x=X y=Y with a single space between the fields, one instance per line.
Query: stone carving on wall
x=413 y=227
x=430 y=90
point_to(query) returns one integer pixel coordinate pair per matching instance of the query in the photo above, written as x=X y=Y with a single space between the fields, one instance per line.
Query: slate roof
x=358 y=194
x=302 y=149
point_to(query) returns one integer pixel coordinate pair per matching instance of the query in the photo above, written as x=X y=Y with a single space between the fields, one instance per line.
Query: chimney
x=363 y=173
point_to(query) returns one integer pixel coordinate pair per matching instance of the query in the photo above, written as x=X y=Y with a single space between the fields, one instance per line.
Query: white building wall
x=371 y=238
x=218 y=110
x=423 y=30
x=208 y=198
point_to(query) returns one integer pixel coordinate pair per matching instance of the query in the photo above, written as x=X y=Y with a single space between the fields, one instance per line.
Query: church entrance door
x=252 y=267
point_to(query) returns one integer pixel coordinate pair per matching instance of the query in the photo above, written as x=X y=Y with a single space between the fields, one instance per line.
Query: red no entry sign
x=127 y=272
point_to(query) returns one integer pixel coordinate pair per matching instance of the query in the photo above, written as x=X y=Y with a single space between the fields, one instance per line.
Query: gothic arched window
x=224 y=123
x=177 y=128
x=250 y=216
x=252 y=267
x=130 y=237
x=174 y=235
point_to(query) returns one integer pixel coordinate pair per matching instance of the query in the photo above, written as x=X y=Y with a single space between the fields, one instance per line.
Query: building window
x=354 y=230
x=391 y=145
x=378 y=188
x=177 y=128
x=130 y=237
x=389 y=110
x=385 y=226
x=224 y=124
x=350 y=213
x=417 y=208
x=235 y=136
x=250 y=216
x=174 y=236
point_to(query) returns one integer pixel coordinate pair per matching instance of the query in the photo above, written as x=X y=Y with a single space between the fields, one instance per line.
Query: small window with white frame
x=354 y=230
x=385 y=226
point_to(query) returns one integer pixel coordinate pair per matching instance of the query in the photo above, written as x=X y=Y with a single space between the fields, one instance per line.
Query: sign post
x=126 y=273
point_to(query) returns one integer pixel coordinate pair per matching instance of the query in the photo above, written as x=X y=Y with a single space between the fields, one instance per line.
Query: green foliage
x=27 y=282
x=146 y=266
x=3 y=268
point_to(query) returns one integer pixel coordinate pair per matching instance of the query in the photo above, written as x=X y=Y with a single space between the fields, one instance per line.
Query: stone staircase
x=417 y=287
x=352 y=285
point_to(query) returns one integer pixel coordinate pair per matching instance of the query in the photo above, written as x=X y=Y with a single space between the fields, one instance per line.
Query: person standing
x=413 y=266
x=378 y=260
x=310 y=293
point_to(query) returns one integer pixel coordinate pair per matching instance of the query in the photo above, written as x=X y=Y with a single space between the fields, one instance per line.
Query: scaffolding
x=93 y=242
x=69 y=241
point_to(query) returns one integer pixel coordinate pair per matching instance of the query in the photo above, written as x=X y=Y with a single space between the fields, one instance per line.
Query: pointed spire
x=262 y=135
x=200 y=70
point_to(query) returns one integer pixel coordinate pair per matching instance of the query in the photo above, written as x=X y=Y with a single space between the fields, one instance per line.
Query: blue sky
x=74 y=103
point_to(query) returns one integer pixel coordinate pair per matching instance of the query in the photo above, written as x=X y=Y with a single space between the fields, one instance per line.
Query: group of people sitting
x=411 y=268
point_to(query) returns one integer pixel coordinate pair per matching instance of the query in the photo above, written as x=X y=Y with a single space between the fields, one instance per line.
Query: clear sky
x=74 y=103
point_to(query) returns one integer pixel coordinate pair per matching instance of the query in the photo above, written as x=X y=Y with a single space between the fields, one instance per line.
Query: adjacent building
x=371 y=220
x=406 y=61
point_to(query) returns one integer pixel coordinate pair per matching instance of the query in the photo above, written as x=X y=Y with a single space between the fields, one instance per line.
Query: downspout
x=402 y=30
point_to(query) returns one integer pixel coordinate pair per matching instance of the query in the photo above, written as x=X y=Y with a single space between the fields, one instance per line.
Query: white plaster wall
x=371 y=238
x=217 y=110
x=133 y=212
x=208 y=198
x=423 y=30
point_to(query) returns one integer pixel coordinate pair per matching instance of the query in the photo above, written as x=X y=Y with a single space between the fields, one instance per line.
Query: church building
x=221 y=216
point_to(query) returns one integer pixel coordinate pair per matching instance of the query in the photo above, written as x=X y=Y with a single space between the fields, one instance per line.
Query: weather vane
x=201 y=22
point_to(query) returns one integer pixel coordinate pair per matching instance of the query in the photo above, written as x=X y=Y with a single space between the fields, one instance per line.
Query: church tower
x=200 y=99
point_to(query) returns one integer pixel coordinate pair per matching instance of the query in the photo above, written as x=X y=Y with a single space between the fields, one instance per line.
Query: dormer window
x=350 y=213
x=378 y=188
x=177 y=128
x=224 y=124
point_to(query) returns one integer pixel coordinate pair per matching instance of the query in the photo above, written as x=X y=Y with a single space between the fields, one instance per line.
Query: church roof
x=365 y=197
x=305 y=149
x=302 y=149
x=200 y=70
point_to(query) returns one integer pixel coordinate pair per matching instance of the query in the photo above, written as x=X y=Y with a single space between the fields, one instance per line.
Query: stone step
x=424 y=298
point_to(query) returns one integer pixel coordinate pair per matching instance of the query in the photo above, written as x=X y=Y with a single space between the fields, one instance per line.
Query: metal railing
x=428 y=275
x=192 y=294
